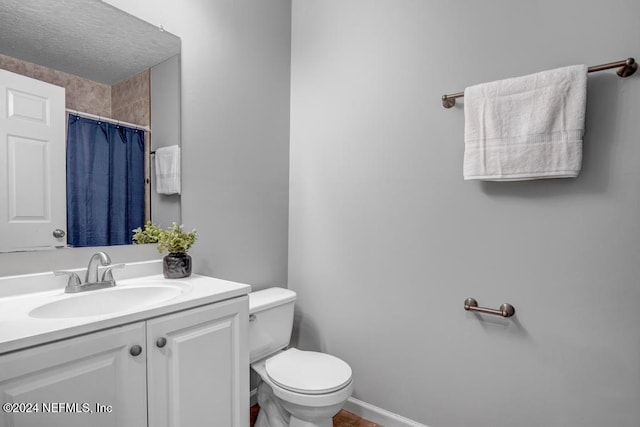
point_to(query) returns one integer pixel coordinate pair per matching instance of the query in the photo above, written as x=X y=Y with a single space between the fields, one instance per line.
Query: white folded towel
x=168 y=170
x=526 y=127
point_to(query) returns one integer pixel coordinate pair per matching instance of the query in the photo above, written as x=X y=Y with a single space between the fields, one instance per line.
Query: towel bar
x=505 y=310
x=625 y=67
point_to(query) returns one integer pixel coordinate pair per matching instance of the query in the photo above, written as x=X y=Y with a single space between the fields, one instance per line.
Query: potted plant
x=177 y=264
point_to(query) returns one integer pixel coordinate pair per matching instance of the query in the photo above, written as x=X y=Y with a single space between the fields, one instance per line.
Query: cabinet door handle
x=161 y=342
x=135 y=350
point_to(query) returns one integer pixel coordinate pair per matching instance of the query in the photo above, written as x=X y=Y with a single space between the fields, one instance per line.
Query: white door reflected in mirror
x=32 y=152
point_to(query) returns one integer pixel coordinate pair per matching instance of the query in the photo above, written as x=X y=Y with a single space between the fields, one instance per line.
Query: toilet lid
x=308 y=372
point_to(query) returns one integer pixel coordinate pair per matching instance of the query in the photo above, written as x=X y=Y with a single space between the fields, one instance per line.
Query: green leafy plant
x=173 y=239
x=149 y=234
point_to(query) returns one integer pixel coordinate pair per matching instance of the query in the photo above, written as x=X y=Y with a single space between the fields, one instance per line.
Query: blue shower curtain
x=105 y=182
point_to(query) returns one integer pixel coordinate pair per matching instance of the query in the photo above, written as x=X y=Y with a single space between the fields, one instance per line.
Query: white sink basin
x=111 y=300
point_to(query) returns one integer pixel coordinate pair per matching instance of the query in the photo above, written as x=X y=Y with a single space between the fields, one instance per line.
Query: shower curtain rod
x=626 y=68
x=108 y=120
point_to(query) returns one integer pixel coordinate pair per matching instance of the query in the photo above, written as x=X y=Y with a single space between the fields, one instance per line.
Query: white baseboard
x=378 y=415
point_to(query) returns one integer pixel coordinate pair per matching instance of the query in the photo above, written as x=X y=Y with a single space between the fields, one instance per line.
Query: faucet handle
x=107 y=276
x=74 y=280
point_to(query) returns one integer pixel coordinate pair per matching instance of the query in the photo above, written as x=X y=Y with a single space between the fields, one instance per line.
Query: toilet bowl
x=297 y=388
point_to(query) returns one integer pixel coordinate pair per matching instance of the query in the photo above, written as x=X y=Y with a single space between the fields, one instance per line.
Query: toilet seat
x=308 y=372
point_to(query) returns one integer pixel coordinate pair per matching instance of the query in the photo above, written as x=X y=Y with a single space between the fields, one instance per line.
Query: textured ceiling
x=88 y=38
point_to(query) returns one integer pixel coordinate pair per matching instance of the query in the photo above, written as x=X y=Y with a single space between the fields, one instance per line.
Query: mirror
x=98 y=52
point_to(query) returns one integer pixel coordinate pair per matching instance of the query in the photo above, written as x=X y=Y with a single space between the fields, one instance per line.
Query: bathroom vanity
x=147 y=352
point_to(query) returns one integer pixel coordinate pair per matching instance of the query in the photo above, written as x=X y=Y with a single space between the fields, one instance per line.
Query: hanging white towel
x=527 y=127
x=168 y=170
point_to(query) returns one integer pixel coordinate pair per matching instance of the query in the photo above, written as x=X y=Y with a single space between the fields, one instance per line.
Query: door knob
x=135 y=350
x=161 y=342
x=58 y=233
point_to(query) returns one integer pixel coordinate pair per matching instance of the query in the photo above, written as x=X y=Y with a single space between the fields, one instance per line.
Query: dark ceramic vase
x=176 y=266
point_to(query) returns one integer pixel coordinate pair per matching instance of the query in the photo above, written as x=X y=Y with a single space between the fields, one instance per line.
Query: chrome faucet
x=92 y=269
x=91 y=281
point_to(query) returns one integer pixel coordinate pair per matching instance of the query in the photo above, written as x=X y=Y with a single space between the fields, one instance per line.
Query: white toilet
x=298 y=388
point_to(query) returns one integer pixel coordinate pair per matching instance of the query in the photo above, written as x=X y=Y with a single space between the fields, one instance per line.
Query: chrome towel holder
x=625 y=67
x=505 y=310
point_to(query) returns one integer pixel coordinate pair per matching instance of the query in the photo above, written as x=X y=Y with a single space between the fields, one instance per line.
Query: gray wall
x=235 y=138
x=165 y=131
x=235 y=118
x=387 y=240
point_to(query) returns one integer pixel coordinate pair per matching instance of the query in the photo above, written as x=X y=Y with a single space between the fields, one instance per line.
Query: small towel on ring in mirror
x=528 y=127
x=168 y=170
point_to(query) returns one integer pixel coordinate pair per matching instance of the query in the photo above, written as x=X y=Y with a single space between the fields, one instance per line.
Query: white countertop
x=19 y=330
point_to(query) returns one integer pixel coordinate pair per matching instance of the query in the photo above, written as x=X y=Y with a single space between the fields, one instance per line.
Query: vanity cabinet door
x=93 y=380
x=198 y=367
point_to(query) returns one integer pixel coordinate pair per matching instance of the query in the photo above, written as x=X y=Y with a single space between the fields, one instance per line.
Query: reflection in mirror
x=113 y=66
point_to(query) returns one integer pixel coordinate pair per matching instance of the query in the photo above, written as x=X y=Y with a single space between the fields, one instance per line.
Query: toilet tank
x=270 y=321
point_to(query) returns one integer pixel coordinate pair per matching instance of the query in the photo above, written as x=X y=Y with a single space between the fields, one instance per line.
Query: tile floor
x=343 y=419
